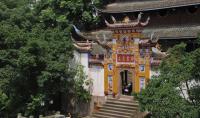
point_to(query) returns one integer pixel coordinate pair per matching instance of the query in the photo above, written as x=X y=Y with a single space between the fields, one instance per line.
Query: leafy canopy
x=35 y=49
x=175 y=91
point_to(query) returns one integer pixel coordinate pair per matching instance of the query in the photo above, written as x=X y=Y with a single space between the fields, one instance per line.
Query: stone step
x=125 y=97
x=100 y=116
x=117 y=112
x=131 y=103
x=121 y=100
x=125 y=107
x=103 y=114
x=121 y=106
x=120 y=109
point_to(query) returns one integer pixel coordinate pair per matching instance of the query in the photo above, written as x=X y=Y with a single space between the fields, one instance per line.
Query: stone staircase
x=125 y=107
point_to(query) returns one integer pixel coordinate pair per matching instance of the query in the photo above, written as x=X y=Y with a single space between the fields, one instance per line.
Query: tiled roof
x=97 y=49
x=174 y=32
x=170 y=32
x=104 y=34
x=135 y=6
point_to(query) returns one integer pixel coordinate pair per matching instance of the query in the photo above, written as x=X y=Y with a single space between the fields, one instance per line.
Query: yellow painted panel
x=115 y=82
x=105 y=78
x=136 y=84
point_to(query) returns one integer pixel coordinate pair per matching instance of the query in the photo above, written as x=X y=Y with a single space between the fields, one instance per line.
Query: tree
x=62 y=13
x=175 y=91
x=35 y=48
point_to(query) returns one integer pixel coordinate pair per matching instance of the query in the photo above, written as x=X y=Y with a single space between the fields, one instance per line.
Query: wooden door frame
x=121 y=69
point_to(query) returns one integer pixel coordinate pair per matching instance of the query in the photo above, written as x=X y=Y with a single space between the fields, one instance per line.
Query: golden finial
x=126 y=19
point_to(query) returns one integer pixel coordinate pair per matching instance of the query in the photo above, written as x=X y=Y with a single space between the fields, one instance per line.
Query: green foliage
x=81 y=82
x=35 y=104
x=3 y=101
x=100 y=3
x=61 y=13
x=164 y=96
x=35 y=49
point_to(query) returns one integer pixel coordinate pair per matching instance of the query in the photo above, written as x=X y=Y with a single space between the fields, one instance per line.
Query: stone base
x=99 y=100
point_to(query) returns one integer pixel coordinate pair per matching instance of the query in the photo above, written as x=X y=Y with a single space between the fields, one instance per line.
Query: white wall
x=96 y=73
x=83 y=59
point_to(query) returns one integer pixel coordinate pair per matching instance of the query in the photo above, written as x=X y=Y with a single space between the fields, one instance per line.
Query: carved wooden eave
x=87 y=49
x=95 y=38
x=127 y=22
x=87 y=44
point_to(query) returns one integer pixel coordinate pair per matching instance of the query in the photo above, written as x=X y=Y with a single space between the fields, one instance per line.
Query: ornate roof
x=175 y=32
x=171 y=32
x=135 y=6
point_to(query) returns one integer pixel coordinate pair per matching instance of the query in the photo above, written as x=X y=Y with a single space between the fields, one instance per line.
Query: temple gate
x=127 y=58
x=128 y=55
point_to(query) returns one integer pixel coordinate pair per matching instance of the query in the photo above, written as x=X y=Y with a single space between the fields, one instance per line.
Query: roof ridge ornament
x=76 y=29
x=139 y=17
x=113 y=19
x=146 y=22
x=127 y=22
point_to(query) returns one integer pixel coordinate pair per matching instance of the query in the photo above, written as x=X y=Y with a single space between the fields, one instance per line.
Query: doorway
x=126 y=82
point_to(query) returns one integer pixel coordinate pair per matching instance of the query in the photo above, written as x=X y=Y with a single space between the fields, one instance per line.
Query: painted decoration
x=125 y=58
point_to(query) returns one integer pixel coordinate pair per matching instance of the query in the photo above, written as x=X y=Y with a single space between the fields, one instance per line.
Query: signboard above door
x=125 y=58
